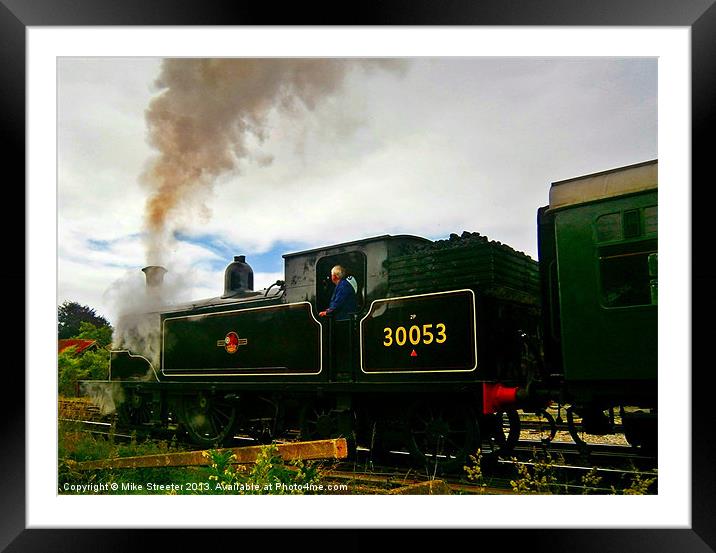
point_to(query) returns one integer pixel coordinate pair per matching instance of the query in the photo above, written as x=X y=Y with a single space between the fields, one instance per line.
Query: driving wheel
x=208 y=420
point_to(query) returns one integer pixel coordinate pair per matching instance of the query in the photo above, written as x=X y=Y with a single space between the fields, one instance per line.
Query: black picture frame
x=698 y=15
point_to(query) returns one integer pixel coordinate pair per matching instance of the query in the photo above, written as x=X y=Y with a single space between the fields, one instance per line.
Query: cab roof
x=383 y=237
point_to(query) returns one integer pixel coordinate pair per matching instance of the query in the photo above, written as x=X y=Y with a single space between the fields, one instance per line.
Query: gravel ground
x=563 y=436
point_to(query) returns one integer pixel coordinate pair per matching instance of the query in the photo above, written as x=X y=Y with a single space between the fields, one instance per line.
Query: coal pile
x=470 y=260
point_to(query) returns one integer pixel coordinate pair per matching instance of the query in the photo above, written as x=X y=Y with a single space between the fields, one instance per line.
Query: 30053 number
x=415 y=335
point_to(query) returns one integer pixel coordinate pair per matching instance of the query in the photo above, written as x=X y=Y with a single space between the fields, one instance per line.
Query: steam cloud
x=207 y=115
x=206 y=119
x=138 y=325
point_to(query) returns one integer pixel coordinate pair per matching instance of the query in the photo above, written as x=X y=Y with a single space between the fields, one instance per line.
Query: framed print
x=69 y=61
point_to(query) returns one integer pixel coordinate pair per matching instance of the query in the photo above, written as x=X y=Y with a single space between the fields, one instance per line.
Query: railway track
x=95 y=428
x=569 y=471
x=598 y=453
x=556 y=479
x=610 y=462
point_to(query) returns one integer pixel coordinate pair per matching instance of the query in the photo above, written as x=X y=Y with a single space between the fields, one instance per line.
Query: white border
x=670 y=509
x=259 y=369
x=398 y=371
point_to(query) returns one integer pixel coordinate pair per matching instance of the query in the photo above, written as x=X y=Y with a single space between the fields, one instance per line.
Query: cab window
x=355 y=265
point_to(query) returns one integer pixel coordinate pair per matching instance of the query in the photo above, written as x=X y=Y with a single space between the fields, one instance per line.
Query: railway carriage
x=598 y=263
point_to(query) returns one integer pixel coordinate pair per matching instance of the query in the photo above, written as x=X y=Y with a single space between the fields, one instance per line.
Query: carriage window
x=609 y=227
x=632 y=224
x=618 y=226
x=650 y=220
x=624 y=271
x=353 y=262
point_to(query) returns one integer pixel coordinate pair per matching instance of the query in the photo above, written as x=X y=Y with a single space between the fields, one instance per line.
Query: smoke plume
x=208 y=114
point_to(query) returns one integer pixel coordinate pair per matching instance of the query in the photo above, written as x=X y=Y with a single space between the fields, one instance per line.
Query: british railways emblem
x=232 y=342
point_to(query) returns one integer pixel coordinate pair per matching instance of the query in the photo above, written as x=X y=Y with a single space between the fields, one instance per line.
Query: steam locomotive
x=450 y=338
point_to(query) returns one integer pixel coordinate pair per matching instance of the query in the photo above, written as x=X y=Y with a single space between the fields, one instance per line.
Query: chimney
x=155 y=275
x=238 y=277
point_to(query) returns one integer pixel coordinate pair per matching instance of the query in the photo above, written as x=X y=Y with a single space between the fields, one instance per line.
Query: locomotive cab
x=308 y=272
x=308 y=278
x=355 y=265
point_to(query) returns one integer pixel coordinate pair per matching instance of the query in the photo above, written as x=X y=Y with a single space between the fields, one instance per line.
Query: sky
x=313 y=155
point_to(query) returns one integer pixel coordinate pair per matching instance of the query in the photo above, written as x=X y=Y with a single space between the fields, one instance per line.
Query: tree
x=100 y=334
x=69 y=316
x=91 y=365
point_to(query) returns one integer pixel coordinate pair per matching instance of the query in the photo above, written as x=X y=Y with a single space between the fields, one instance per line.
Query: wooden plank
x=431 y=487
x=306 y=451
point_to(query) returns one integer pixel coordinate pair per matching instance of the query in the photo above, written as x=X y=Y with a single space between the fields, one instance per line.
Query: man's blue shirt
x=343 y=301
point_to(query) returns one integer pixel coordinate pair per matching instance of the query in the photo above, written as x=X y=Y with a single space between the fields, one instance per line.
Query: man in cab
x=343 y=301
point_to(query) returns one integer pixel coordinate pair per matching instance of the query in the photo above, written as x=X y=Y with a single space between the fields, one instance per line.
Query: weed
x=268 y=475
x=538 y=478
x=639 y=484
x=590 y=481
x=541 y=477
x=474 y=471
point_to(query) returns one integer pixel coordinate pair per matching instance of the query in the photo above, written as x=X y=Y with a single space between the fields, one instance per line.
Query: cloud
x=211 y=114
x=475 y=153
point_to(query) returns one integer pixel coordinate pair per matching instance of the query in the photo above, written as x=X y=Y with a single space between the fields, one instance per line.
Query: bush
x=91 y=365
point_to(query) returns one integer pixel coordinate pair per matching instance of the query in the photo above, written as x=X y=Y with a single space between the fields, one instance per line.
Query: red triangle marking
x=413 y=354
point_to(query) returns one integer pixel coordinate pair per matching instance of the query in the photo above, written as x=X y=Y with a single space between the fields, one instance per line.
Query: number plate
x=422 y=333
